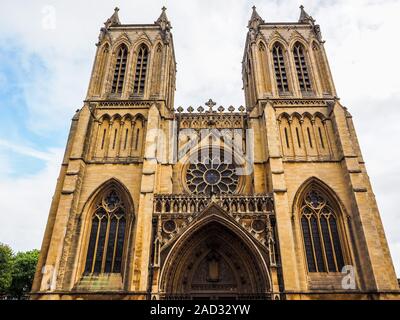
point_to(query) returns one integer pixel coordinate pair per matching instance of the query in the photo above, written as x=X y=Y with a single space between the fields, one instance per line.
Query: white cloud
x=27 y=151
x=209 y=38
x=25 y=204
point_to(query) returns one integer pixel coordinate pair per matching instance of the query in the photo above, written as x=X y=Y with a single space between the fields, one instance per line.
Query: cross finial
x=113 y=20
x=255 y=20
x=305 y=17
x=210 y=104
x=163 y=21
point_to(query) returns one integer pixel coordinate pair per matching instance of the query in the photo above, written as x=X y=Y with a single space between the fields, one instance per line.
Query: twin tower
x=267 y=201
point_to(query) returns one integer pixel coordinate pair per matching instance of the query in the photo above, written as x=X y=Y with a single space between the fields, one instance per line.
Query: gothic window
x=138 y=136
x=140 y=70
x=250 y=81
x=301 y=67
x=309 y=137
x=321 y=138
x=298 y=137
x=211 y=174
x=101 y=68
x=319 y=222
x=322 y=69
x=114 y=137
x=120 y=69
x=287 y=138
x=106 y=242
x=157 y=63
x=103 y=139
x=137 y=139
x=126 y=138
x=262 y=53
x=280 y=68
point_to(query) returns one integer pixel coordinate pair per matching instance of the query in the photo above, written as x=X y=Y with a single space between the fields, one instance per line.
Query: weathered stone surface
x=126 y=141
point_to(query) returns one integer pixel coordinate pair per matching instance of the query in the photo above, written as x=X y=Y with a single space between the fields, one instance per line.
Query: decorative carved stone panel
x=176 y=213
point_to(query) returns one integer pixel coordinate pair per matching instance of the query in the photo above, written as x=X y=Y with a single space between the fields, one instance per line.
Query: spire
x=165 y=26
x=163 y=21
x=305 y=17
x=255 y=20
x=114 y=19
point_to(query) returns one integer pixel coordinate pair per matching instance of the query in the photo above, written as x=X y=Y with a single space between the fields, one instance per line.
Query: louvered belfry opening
x=301 y=68
x=280 y=69
x=120 y=70
x=141 y=71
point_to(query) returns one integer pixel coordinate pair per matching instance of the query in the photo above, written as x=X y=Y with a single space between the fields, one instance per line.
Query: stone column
x=284 y=224
x=145 y=209
x=377 y=267
x=66 y=194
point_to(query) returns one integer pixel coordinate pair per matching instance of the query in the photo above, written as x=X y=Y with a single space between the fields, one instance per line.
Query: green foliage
x=16 y=272
x=23 y=271
x=6 y=256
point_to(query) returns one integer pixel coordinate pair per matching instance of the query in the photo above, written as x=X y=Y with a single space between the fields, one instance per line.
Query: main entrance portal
x=214 y=262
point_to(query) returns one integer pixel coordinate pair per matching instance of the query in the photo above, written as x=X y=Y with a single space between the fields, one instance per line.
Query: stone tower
x=267 y=201
x=310 y=159
x=109 y=154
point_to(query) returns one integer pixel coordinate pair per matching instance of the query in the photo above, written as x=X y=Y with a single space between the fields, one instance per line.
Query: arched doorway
x=214 y=262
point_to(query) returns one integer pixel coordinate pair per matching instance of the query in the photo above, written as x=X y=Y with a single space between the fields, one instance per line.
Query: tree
x=6 y=256
x=23 y=271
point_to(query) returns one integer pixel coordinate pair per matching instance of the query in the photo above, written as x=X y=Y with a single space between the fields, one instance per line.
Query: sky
x=46 y=55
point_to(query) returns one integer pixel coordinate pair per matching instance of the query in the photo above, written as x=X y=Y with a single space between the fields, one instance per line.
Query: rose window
x=212 y=176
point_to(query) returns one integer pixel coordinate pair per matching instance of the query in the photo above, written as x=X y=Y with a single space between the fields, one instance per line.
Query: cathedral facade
x=267 y=201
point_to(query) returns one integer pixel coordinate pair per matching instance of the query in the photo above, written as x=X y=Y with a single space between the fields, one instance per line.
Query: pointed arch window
x=322 y=68
x=301 y=67
x=280 y=68
x=141 y=70
x=138 y=135
x=106 y=242
x=120 y=70
x=101 y=69
x=157 y=62
x=263 y=58
x=319 y=223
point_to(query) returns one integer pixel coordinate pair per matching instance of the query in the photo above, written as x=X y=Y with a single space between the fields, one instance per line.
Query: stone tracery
x=212 y=176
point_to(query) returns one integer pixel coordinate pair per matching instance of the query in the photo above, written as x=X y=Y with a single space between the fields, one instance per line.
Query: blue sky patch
x=18 y=70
